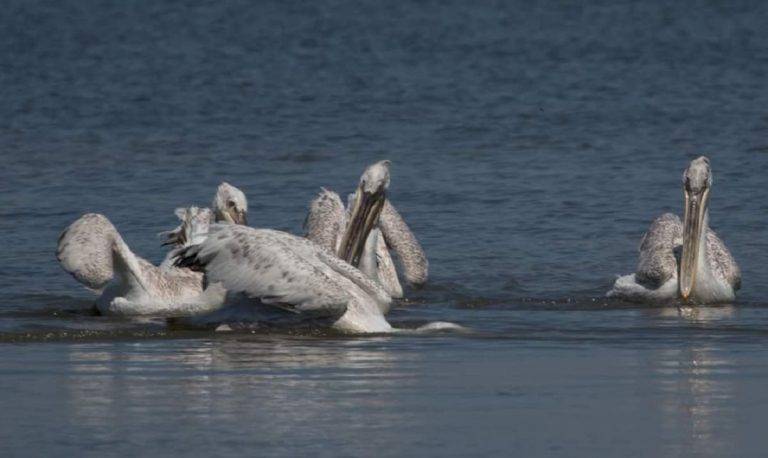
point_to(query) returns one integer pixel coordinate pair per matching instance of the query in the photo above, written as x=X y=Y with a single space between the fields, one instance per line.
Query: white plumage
x=93 y=252
x=276 y=269
x=328 y=220
x=683 y=259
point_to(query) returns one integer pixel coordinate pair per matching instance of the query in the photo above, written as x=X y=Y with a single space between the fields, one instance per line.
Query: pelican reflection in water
x=684 y=260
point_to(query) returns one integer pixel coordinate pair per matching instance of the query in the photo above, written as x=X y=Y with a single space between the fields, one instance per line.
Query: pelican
x=230 y=205
x=684 y=260
x=331 y=226
x=286 y=279
x=93 y=252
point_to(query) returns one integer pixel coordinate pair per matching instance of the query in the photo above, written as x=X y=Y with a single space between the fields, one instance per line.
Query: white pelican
x=284 y=279
x=94 y=253
x=684 y=260
x=230 y=205
x=329 y=225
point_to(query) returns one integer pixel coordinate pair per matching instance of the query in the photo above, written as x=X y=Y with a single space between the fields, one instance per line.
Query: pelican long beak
x=365 y=216
x=241 y=219
x=693 y=231
x=234 y=216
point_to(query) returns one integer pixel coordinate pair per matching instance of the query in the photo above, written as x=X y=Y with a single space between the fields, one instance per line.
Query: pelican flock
x=342 y=274
x=290 y=280
x=220 y=270
x=684 y=260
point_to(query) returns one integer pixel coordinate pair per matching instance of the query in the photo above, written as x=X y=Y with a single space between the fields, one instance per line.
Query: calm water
x=531 y=147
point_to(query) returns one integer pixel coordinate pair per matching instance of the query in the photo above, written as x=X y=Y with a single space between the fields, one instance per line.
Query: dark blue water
x=531 y=147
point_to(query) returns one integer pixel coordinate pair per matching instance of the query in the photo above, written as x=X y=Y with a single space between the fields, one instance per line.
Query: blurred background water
x=532 y=144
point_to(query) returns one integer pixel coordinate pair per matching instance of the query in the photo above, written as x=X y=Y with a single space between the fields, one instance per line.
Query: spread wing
x=275 y=267
x=657 y=250
x=399 y=237
x=326 y=220
x=85 y=250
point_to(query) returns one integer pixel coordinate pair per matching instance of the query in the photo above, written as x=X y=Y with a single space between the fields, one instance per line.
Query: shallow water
x=531 y=148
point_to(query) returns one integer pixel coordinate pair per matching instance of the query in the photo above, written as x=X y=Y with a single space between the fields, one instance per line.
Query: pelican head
x=230 y=205
x=193 y=228
x=367 y=204
x=697 y=181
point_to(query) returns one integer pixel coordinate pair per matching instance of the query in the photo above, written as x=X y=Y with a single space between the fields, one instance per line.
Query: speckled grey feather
x=165 y=283
x=721 y=260
x=93 y=252
x=283 y=270
x=85 y=250
x=659 y=251
x=326 y=220
x=400 y=238
x=657 y=262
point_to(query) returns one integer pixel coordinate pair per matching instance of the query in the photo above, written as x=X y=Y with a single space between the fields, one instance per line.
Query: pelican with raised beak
x=364 y=233
x=684 y=260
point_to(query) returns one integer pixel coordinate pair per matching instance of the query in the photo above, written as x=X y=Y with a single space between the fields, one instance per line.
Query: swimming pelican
x=92 y=251
x=331 y=226
x=230 y=205
x=285 y=279
x=684 y=260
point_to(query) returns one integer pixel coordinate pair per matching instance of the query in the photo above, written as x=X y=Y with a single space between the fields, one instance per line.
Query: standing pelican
x=331 y=226
x=684 y=260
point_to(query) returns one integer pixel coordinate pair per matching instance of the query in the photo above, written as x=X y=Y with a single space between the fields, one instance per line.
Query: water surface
x=531 y=147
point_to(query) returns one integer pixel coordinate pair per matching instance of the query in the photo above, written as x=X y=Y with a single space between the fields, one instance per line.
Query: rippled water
x=531 y=147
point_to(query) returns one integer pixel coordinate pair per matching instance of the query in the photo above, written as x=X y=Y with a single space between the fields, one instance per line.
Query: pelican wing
x=325 y=220
x=362 y=281
x=387 y=273
x=722 y=260
x=275 y=267
x=129 y=268
x=85 y=250
x=399 y=237
x=657 y=250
